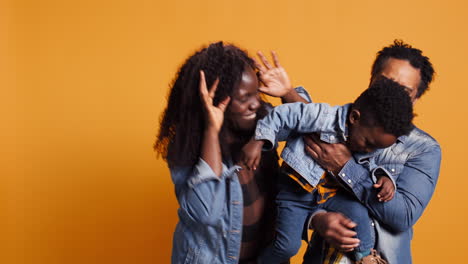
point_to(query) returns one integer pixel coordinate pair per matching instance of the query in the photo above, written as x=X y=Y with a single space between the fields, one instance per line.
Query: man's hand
x=336 y=229
x=252 y=153
x=387 y=189
x=331 y=157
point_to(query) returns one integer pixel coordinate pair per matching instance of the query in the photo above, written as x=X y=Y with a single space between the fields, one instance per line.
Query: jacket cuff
x=303 y=93
x=202 y=172
x=378 y=172
x=266 y=134
x=352 y=175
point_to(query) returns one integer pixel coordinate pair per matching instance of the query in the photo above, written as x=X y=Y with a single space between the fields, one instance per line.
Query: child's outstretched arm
x=387 y=188
x=252 y=153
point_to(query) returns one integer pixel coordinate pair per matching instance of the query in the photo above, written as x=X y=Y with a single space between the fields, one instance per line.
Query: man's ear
x=354 y=116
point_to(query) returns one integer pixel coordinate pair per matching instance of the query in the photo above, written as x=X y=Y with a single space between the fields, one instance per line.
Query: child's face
x=364 y=138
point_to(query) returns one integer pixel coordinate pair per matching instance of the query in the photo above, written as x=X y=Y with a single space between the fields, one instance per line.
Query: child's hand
x=252 y=153
x=387 y=189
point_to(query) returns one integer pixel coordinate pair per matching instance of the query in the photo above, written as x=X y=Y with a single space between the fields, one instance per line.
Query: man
x=414 y=162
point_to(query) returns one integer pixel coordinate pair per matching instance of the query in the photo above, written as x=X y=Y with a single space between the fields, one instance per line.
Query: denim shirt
x=288 y=121
x=414 y=163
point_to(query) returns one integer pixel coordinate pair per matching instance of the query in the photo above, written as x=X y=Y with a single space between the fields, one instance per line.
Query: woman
x=226 y=213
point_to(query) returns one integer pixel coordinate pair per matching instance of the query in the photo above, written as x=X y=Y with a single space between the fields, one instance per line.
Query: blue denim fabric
x=414 y=163
x=294 y=205
x=292 y=217
x=288 y=120
x=210 y=215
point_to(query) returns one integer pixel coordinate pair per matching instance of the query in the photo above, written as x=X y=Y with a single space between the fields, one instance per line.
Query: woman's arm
x=214 y=116
x=201 y=190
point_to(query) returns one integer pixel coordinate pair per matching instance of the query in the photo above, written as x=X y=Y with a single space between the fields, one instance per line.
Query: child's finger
x=251 y=163
x=381 y=195
x=257 y=162
x=384 y=197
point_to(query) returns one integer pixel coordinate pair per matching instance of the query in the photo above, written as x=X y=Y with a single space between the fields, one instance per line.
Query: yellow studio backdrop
x=83 y=85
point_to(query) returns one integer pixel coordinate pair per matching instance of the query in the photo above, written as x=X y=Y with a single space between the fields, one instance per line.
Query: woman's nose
x=255 y=103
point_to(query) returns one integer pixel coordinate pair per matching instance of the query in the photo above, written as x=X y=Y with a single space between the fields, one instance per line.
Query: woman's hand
x=214 y=115
x=275 y=79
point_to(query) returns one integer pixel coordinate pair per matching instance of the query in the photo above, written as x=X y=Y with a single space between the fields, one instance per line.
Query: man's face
x=403 y=73
x=366 y=138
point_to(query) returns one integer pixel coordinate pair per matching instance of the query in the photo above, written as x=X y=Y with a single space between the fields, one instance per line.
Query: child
x=374 y=121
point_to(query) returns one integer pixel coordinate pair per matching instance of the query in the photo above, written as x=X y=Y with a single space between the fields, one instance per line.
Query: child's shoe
x=373 y=258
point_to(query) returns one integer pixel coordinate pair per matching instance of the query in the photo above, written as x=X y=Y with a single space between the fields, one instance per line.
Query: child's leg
x=358 y=213
x=290 y=222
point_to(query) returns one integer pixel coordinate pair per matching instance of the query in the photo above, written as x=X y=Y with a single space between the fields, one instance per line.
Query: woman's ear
x=354 y=116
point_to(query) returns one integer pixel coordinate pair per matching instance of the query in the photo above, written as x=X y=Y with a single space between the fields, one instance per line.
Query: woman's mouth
x=250 y=116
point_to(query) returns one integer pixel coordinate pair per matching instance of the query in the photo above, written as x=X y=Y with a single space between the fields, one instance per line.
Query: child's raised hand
x=387 y=189
x=251 y=154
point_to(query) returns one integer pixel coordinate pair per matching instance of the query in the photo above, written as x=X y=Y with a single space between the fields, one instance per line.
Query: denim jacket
x=210 y=215
x=288 y=121
x=414 y=163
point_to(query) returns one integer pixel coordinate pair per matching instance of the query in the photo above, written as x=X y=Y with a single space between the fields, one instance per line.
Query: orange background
x=83 y=84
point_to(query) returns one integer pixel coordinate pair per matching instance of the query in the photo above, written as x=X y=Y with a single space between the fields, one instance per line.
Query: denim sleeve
x=200 y=192
x=416 y=184
x=303 y=93
x=294 y=117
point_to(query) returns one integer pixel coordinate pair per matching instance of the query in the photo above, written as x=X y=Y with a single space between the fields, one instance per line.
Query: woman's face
x=245 y=101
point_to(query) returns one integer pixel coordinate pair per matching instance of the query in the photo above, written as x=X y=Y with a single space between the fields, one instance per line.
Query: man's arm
x=336 y=229
x=416 y=183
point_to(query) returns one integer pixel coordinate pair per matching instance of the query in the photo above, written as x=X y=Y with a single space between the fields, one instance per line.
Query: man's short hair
x=386 y=103
x=403 y=51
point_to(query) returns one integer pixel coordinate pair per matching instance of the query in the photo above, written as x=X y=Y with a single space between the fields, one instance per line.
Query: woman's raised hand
x=275 y=79
x=214 y=115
